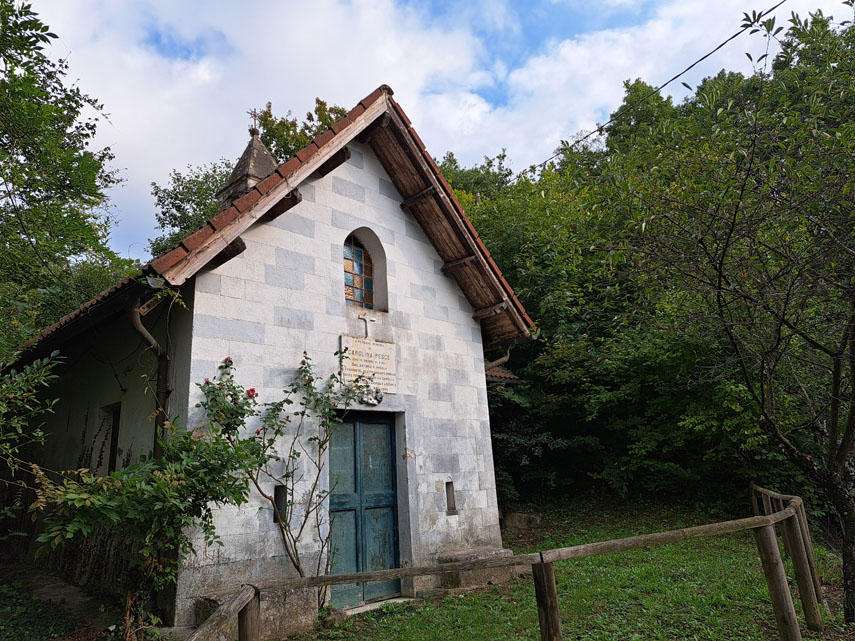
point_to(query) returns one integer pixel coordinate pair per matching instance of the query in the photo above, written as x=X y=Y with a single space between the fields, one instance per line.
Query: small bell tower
x=254 y=165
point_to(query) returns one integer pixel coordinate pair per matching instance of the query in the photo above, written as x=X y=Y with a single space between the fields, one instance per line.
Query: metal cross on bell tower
x=253 y=113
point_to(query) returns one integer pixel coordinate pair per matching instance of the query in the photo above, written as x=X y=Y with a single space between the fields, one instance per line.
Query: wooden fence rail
x=770 y=509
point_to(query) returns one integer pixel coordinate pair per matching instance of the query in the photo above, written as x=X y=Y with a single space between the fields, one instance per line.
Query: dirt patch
x=85 y=634
x=97 y=613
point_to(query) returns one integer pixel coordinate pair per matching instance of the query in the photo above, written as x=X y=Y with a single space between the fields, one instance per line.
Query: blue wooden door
x=363 y=506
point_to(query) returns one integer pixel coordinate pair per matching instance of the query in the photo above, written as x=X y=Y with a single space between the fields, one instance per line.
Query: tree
x=187 y=202
x=189 y=198
x=285 y=136
x=643 y=110
x=21 y=408
x=486 y=180
x=743 y=205
x=606 y=396
x=52 y=184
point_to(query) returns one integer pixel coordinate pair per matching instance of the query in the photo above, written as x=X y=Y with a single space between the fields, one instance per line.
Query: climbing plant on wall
x=153 y=505
x=290 y=448
x=150 y=506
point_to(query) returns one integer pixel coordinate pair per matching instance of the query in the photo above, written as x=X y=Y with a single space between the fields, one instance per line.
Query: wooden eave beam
x=492 y=310
x=195 y=260
x=412 y=201
x=451 y=266
x=149 y=305
x=413 y=152
x=293 y=198
x=339 y=158
x=368 y=135
x=232 y=250
x=452 y=217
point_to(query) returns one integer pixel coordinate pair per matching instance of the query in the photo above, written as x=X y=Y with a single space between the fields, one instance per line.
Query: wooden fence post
x=786 y=530
x=776 y=580
x=804 y=578
x=767 y=504
x=754 y=504
x=805 y=530
x=547 y=602
x=249 y=619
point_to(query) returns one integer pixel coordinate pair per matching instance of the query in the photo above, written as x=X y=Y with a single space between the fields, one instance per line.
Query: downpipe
x=499 y=361
x=161 y=385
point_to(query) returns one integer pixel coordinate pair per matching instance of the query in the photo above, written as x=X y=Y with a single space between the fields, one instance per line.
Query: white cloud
x=168 y=111
x=572 y=84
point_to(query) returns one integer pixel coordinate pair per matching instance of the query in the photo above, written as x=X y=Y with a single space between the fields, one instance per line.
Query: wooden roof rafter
x=430 y=200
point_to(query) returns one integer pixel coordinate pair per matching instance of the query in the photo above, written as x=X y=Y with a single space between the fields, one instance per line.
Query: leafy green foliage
x=689 y=277
x=642 y=114
x=285 y=136
x=286 y=452
x=747 y=204
x=53 y=221
x=485 y=180
x=25 y=617
x=21 y=407
x=610 y=392
x=188 y=200
x=151 y=507
x=153 y=503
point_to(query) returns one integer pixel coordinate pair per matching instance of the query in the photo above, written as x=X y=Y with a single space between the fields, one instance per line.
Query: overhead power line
x=654 y=91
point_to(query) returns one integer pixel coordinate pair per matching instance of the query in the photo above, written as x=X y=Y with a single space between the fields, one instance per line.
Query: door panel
x=376 y=458
x=380 y=550
x=346 y=557
x=363 y=506
x=342 y=462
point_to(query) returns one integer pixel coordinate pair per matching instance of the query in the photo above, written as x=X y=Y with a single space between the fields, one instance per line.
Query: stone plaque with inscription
x=373 y=359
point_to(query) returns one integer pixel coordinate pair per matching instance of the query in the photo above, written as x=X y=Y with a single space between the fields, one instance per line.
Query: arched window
x=358 y=274
x=365 y=271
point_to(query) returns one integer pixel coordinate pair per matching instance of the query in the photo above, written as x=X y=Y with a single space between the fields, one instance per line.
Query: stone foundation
x=283 y=612
x=475 y=578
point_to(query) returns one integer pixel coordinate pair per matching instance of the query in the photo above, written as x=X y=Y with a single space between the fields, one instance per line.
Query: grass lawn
x=703 y=589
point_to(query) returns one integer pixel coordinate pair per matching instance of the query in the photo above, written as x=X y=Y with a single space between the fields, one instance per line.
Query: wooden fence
x=770 y=509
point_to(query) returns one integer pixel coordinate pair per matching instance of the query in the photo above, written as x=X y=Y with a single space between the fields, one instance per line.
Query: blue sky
x=475 y=76
x=166 y=42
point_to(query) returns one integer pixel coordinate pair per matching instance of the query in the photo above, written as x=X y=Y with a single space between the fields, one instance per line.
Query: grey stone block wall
x=284 y=295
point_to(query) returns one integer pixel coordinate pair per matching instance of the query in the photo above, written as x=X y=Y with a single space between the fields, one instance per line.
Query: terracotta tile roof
x=170 y=258
x=500 y=374
x=240 y=212
x=81 y=312
x=450 y=193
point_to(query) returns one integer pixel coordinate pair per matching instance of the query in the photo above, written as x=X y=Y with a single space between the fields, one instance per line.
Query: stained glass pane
x=358 y=289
